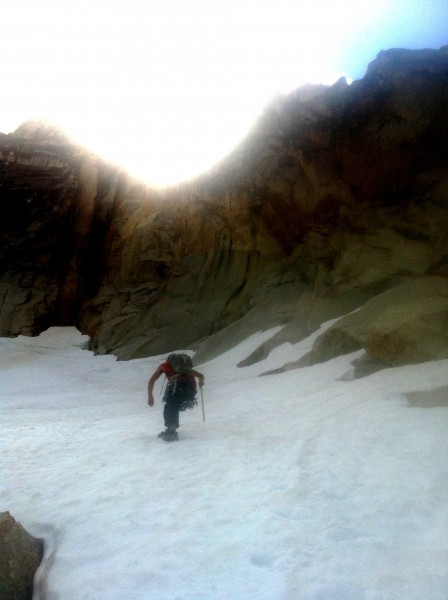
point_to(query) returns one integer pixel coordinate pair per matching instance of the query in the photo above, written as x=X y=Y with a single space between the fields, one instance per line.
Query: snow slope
x=308 y=485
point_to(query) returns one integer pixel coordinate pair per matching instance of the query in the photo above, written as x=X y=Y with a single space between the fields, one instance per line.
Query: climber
x=180 y=392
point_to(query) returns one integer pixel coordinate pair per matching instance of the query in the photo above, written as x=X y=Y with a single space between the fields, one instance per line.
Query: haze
x=166 y=89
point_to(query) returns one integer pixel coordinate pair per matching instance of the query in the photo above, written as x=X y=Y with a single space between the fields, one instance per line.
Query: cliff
x=336 y=203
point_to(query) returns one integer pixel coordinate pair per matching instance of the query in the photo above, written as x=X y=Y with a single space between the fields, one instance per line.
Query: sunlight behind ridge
x=167 y=90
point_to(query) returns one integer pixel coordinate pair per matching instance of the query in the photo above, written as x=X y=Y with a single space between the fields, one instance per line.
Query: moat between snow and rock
x=335 y=204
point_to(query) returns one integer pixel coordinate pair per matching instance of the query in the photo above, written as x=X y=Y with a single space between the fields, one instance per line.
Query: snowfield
x=306 y=485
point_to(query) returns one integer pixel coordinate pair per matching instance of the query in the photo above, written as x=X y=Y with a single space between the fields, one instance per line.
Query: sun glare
x=167 y=89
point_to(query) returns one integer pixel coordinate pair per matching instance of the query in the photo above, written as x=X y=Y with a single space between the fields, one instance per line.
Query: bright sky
x=166 y=88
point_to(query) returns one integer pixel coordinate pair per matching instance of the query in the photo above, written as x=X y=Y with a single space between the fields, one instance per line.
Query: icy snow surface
x=299 y=486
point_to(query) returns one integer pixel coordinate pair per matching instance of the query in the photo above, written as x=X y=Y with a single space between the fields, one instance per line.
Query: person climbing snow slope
x=180 y=392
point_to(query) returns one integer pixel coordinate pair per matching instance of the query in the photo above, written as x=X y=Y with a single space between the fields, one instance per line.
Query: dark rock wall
x=336 y=196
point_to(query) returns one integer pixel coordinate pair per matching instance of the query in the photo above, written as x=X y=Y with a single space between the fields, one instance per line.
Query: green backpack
x=181 y=363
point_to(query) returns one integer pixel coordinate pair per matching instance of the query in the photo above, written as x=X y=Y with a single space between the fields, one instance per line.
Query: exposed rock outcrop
x=408 y=323
x=338 y=196
x=20 y=556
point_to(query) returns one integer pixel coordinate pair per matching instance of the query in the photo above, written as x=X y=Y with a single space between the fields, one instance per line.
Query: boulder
x=20 y=556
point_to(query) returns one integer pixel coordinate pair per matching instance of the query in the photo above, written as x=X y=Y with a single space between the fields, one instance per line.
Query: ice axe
x=202 y=403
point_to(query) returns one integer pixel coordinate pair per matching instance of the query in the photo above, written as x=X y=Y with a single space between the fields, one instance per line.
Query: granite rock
x=339 y=194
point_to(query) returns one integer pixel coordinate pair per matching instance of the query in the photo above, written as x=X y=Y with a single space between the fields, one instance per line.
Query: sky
x=167 y=88
x=305 y=485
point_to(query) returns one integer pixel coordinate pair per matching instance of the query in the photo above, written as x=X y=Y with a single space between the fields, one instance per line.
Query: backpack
x=182 y=387
x=181 y=363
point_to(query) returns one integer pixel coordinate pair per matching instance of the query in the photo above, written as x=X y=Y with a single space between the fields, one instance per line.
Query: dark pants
x=171 y=414
x=180 y=394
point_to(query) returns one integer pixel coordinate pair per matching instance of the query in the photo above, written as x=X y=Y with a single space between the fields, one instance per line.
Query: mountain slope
x=308 y=484
x=336 y=197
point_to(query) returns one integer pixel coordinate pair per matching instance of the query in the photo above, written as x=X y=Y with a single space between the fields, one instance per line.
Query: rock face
x=337 y=198
x=20 y=556
x=405 y=324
